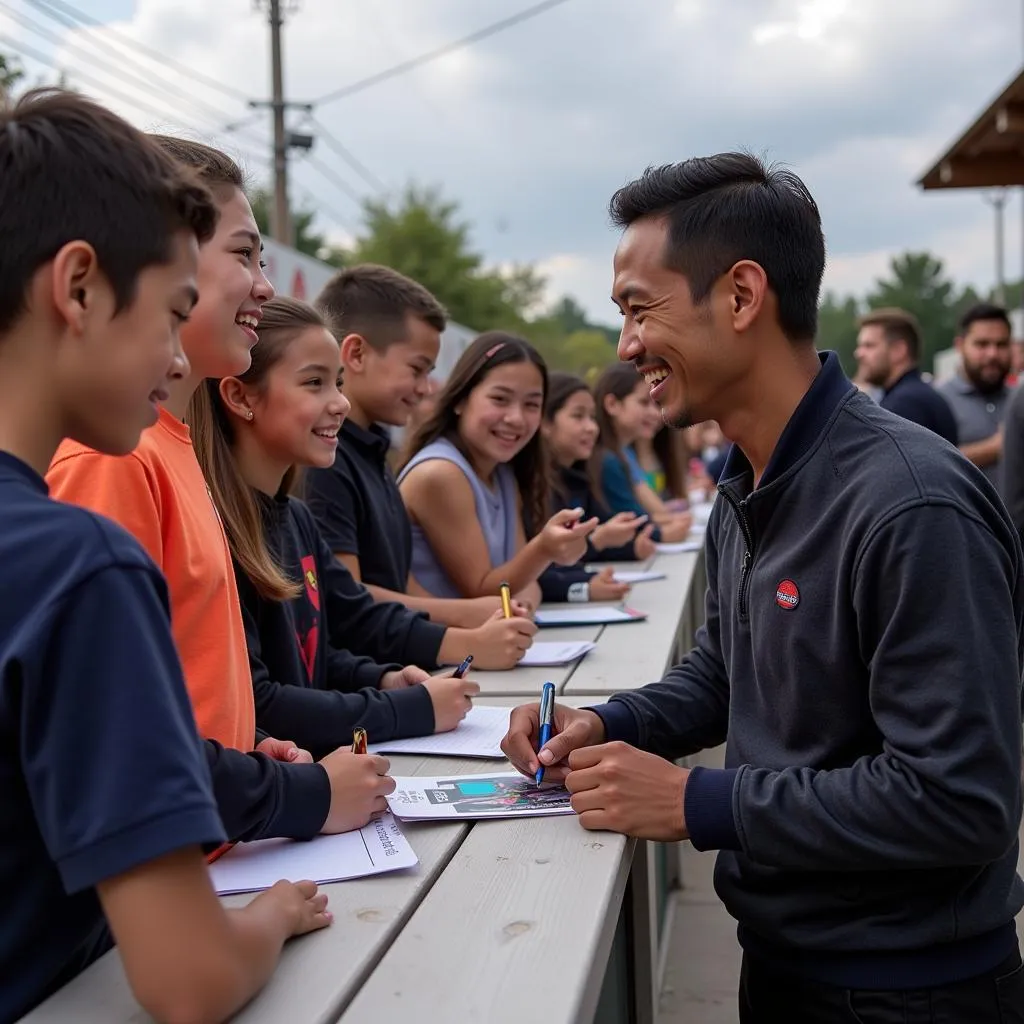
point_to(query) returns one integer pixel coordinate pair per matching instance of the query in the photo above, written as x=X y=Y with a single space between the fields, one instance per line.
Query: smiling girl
x=626 y=413
x=252 y=431
x=476 y=469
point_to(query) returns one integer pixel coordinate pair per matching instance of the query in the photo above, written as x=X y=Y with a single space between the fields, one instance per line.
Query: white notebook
x=377 y=847
x=479 y=734
x=548 y=653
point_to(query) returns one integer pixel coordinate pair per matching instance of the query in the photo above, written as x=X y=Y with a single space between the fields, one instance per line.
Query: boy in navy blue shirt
x=107 y=800
x=390 y=329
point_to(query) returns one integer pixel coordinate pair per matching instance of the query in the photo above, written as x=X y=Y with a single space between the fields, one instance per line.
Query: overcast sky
x=531 y=130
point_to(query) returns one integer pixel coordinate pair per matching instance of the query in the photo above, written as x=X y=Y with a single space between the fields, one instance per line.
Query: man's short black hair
x=983 y=311
x=730 y=207
x=71 y=170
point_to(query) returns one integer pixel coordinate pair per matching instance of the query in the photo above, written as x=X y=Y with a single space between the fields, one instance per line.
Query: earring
x=248 y=414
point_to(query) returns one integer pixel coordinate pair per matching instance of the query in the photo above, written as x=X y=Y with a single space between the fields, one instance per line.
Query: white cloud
x=532 y=129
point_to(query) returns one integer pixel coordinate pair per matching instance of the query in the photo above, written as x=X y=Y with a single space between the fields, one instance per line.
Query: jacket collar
x=830 y=389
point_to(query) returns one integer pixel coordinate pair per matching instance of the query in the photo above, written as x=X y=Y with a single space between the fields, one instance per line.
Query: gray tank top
x=495 y=509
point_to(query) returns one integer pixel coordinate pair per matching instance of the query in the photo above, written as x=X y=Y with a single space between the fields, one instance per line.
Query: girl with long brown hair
x=475 y=482
x=252 y=433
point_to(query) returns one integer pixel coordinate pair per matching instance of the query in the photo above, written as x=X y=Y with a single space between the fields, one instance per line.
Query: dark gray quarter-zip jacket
x=862 y=656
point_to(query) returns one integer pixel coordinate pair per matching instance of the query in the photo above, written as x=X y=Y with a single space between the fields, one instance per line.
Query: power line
x=332 y=176
x=154 y=54
x=441 y=51
x=360 y=168
x=127 y=74
x=21 y=49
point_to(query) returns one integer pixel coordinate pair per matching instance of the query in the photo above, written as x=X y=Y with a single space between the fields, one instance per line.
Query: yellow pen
x=506 y=600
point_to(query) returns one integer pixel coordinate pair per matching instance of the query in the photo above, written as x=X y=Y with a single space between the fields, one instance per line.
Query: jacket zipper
x=740 y=508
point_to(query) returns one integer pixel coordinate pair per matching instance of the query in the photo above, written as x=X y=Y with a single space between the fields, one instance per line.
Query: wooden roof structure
x=990 y=153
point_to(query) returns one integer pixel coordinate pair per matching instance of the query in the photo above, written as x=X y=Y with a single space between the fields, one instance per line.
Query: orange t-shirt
x=159 y=494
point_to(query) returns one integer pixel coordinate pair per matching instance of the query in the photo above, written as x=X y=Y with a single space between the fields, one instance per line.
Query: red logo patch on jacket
x=787 y=595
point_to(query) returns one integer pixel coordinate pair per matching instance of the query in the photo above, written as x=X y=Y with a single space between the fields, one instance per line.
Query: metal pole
x=1000 y=208
x=281 y=221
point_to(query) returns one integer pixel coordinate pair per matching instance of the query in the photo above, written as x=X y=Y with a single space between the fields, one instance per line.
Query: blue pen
x=464 y=667
x=547 y=717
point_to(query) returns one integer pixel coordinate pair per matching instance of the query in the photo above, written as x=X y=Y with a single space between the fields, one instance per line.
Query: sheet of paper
x=371 y=850
x=585 y=615
x=507 y=795
x=549 y=653
x=680 y=547
x=479 y=735
x=637 y=576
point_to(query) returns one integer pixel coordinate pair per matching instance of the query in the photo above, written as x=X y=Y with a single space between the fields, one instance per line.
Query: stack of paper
x=479 y=734
x=371 y=850
x=548 y=653
x=476 y=796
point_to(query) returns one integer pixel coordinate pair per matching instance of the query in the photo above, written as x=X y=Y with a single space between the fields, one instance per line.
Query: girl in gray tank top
x=487 y=424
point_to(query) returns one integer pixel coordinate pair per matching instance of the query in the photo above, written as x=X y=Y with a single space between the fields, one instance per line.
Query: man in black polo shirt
x=888 y=348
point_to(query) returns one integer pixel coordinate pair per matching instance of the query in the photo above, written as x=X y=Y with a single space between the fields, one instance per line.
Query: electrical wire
x=153 y=54
x=441 y=51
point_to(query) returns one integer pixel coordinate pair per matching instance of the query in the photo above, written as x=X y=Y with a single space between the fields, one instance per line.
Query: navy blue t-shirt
x=101 y=767
x=359 y=510
x=916 y=400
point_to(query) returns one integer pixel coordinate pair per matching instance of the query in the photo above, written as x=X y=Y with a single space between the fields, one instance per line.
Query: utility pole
x=281 y=226
x=280 y=213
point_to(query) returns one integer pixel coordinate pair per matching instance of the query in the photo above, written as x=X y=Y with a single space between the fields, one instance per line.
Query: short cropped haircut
x=71 y=170
x=897 y=325
x=730 y=207
x=983 y=311
x=373 y=301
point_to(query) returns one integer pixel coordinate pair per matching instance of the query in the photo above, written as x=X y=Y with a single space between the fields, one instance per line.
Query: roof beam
x=1010 y=119
x=981 y=172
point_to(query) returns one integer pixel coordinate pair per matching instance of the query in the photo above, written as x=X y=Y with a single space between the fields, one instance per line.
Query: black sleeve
x=335 y=502
x=259 y=798
x=383 y=630
x=349 y=672
x=556 y=580
x=688 y=710
x=1011 y=469
x=320 y=721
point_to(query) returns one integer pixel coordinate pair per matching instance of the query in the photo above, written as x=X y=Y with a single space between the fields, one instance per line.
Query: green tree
x=917 y=283
x=837 y=328
x=307 y=240
x=422 y=235
x=10 y=74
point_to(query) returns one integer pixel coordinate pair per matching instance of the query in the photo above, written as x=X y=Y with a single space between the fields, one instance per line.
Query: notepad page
x=547 y=653
x=377 y=847
x=679 y=548
x=479 y=734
